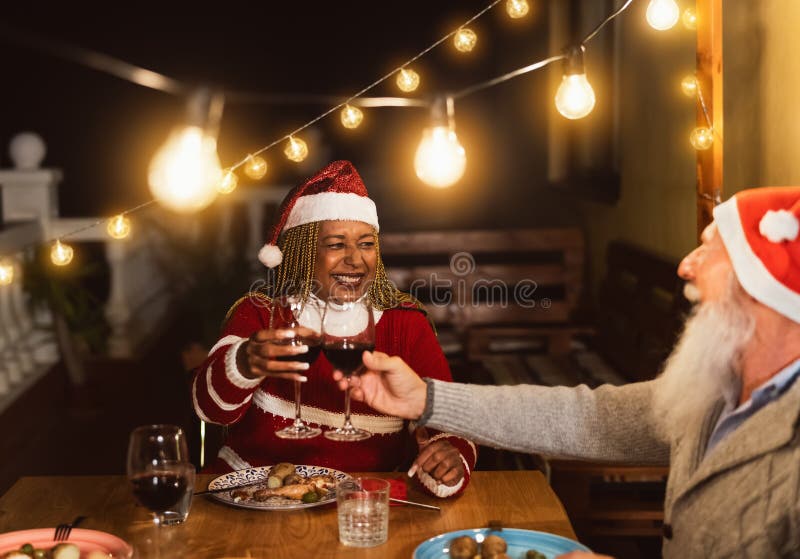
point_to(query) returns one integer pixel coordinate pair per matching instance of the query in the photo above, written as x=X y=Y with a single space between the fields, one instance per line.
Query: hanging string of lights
x=186 y=174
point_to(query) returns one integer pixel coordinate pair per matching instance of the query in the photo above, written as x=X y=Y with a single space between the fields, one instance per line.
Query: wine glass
x=290 y=312
x=348 y=329
x=158 y=469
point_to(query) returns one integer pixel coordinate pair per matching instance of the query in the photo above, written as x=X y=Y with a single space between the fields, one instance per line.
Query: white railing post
x=117 y=311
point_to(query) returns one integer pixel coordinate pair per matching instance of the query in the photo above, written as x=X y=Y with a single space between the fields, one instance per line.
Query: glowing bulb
x=6 y=272
x=407 y=80
x=702 y=138
x=255 y=168
x=689 y=19
x=61 y=254
x=689 y=86
x=228 y=182
x=517 y=8
x=440 y=159
x=575 y=96
x=663 y=14
x=119 y=227
x=465 y=40
x=296 y=149
x=351 y=116
x=184 y=173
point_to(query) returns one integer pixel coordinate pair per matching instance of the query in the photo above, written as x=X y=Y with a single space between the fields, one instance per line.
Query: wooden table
x=518 y=499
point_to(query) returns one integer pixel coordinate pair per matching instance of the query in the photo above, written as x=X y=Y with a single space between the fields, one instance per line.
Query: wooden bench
x=486 y=289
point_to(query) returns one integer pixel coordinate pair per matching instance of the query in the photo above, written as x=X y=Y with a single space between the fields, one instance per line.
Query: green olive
x=27 y=549
x=310 y=497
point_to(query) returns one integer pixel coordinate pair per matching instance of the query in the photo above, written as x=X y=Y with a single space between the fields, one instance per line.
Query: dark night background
x=102 y=131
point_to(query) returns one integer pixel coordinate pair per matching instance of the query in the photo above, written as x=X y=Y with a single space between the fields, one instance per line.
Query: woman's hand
x=257 y=357
x=439 y=459
x=582 y=555
x=388 y=386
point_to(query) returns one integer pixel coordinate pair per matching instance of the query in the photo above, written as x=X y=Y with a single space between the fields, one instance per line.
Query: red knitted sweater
x=255 y=409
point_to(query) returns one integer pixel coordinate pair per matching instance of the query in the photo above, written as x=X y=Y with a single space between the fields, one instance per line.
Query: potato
x=293 y=479
x=492 y=546
x=98 y=555
x=66 y=551
x=278 y=473
x=463 y=547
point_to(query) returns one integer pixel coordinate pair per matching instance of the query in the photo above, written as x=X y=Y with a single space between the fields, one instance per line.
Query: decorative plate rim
x=257 y=473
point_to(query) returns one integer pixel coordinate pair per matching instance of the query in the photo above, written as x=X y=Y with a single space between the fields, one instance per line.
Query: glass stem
x=347 y=424
x=297 y=401
x=157 y=537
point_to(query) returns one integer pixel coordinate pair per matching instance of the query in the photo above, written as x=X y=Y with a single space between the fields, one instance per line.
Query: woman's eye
x=336 y=246
x=367 y=244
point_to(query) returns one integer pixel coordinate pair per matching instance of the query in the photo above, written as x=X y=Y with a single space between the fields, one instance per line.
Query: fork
x=63 y=530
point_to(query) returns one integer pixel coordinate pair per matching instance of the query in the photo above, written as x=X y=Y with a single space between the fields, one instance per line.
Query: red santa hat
x=760 y=229
x=335 y=193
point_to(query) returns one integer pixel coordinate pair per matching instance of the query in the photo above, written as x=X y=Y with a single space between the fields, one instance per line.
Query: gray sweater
x=743 y=500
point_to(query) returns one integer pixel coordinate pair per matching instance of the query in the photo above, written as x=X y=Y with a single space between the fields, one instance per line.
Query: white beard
x=706 y=362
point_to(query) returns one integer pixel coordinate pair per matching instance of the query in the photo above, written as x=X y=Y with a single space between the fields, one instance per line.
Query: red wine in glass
x=314 y=347
x=346 y=356
x=159 y=490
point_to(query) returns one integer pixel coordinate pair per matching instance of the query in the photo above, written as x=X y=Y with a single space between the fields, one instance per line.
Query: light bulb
x=184 y=173
x=689 y=86
x=517 y=8
x=663 y=14
x=465 y=40
x=61 y=254
x=575 y=96
x=255 y=168
x=689 y=19
x=407 y=80
x=351 y=116
x=296 y=149
x=440 y=159
x=119 y=227
x=6 y=272
x=701 y=138
x=228 y=182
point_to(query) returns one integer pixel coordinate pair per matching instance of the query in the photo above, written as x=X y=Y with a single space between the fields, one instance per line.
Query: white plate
x=250 y=475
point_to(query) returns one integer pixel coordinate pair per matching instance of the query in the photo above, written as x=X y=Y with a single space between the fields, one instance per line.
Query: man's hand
x=257 y=357
x=439 y=459
x=388 y=386
x=582 y=555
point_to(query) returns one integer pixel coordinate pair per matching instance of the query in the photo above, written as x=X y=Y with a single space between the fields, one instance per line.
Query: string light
x=663 y=14
x=465 y=40
x=119 y=227
x=351 y=116
x=440 y=159
x=185 y=172
x=575 y=97
x=61 y=254
x=517 y=8
x=407 y=80
x=6 y=272
x=701 y=138
x=689 y=86
x=689 y=19
x=296 y=150
x=255 y=168
x=228 y=183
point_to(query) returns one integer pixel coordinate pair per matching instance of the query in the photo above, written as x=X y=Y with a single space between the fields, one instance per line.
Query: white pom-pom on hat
x=270 y=255
x=778 y=226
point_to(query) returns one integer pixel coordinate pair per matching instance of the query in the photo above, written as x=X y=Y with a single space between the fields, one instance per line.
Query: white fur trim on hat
x=332 y=206
x=270 y=255
x=779 y=226
x=751 y=272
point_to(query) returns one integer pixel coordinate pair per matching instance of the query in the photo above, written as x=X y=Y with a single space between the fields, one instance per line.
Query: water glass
x=363 y=509
x=178 y=513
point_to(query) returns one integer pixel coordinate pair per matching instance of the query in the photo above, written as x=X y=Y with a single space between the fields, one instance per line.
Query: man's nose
x=686 y=268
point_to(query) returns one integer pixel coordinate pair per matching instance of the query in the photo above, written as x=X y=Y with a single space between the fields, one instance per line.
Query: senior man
x=723 y=414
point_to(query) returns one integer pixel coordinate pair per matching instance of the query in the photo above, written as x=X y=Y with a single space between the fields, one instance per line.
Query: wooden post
x=709 y=77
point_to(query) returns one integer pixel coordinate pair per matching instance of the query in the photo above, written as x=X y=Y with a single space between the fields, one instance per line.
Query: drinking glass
x=363 y=510
x=158 y=469
x=286 y=313
x=348 y=329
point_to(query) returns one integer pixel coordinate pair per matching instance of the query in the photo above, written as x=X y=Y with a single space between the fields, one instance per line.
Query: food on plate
x=533 y=554
x=287 y=483
x=60 y=551
x=463 y=547
x=493 y=546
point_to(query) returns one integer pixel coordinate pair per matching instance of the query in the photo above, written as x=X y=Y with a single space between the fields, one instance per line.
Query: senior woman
x=327 y=237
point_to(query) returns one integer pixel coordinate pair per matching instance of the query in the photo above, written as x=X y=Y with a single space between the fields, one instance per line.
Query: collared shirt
x=770 y=391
